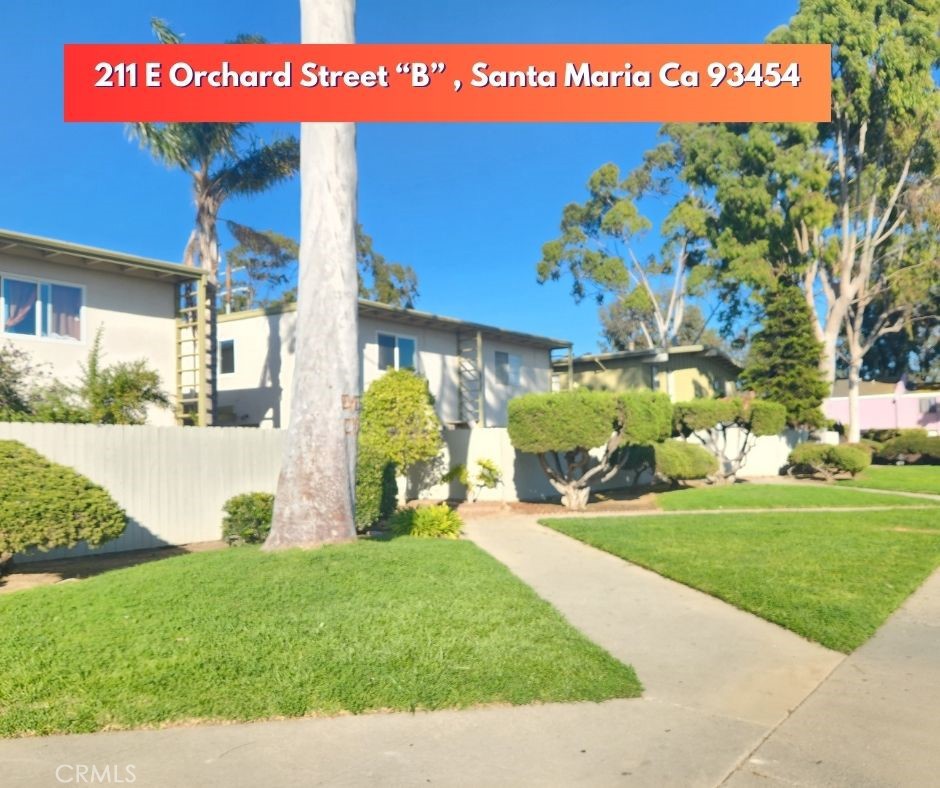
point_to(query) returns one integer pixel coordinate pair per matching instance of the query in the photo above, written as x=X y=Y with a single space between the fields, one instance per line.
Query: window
x=41 y=309
x=508 y=368
x=396 y=352
x=226 y=356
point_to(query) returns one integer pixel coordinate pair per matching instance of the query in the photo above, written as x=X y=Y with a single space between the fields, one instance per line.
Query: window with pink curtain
x=19 y=307
x=40 y=309
x=65 y=311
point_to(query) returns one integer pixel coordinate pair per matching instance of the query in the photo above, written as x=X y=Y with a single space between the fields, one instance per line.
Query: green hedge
x=376 y=489
x=247 y=518
x=45 y=505
x=761 y=417
x=584 y=419
x=823 y=459
x=561 y=420
x=911 y=447
x=673 y=460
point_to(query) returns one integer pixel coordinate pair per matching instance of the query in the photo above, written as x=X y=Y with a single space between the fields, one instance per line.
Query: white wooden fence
x=173 y=481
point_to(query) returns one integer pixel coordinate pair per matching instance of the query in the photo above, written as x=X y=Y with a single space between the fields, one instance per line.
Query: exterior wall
x=688 y=378
x=258 y=392
x=890 y=411
x=768 y=454
x=137 y=316
x=171 y=481
x=682 y=377
x=535 y=375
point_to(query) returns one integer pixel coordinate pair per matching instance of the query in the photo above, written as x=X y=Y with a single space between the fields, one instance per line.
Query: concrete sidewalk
x=875 y=721
x=688 y=648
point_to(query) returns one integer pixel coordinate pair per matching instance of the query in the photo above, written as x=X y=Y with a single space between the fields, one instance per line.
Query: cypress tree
x=783 y=365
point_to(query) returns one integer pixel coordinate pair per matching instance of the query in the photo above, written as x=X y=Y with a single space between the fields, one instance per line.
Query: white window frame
x=510 y=383
x=40 y=304
x=397 y=336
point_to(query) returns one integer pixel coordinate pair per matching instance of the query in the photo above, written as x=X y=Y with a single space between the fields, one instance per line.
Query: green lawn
x=241 y=634
x=905 y=478
x=775 y=496
x=833 y=577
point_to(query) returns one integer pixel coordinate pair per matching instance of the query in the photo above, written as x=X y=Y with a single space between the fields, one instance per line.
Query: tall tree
x=269 y=262
x=315 y=499
x=842 y=207
x=783 y=365
x=223 y=159
x=621 y=328
x=596 y=249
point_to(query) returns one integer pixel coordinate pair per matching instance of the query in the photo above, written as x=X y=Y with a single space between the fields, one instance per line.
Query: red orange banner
x=448 y=82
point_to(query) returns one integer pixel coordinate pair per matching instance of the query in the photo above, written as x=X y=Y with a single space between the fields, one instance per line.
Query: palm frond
x=164 y=33
x=262 y=167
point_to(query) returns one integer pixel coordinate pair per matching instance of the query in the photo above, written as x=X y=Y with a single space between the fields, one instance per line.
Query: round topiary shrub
x=821 y=459
x=247 y=518
x=678 y=461
x=427 y=522
x=45 y=505
x=911 y=447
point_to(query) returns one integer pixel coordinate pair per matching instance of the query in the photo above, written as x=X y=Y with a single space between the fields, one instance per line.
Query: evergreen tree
x=783 y=365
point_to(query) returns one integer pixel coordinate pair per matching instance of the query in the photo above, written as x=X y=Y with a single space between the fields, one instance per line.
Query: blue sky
x=467 y=205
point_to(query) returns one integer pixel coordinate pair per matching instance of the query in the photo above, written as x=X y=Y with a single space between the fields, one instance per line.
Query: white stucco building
x=473 y=370
x=54 y=297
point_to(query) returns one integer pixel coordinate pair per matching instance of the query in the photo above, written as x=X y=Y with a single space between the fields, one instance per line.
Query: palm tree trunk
x=316 y=489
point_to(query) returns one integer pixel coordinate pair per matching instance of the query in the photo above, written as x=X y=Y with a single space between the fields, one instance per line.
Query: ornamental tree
x=783 y=365
x=561 y=428
x=729 y=427
x=398 y=421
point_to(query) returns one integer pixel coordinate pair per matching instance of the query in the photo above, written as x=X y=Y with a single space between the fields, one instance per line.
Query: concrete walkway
x=874 y=722
x=720 y=688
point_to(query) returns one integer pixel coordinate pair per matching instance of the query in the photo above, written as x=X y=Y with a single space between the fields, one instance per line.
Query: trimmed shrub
x=870 y=446
x=427 y=522
x=561 y=421
x=247 y=518
x=376 y=488
x=911 y=447
x=820 y=459
x=680 y=461
x=45 y=505
x=562 y=428
x=711 y=418
x=398 y=420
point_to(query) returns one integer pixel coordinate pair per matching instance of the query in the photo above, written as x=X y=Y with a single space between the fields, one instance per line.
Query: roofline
x=50 y=247
x=376 y=309
x=706 y=350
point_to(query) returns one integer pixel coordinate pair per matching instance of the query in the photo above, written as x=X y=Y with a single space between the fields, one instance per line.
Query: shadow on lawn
x=40 y=573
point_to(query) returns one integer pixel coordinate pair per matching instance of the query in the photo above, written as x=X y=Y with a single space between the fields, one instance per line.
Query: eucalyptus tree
x=223 y=159
x=842 y=208
x=315 y=498
x=596 y=248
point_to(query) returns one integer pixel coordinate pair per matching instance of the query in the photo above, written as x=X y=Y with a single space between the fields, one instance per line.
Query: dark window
x=227 y=356
x=386 y=351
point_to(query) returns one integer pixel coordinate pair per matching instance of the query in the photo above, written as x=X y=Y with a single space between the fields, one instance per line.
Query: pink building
x=886 y=406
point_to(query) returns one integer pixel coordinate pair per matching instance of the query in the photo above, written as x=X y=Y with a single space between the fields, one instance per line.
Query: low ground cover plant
x=907 y=478
x=402 y=624
x=748 y=495
x=45 y=505
x=427 y=522
x=829 y=576
x=247 y=518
